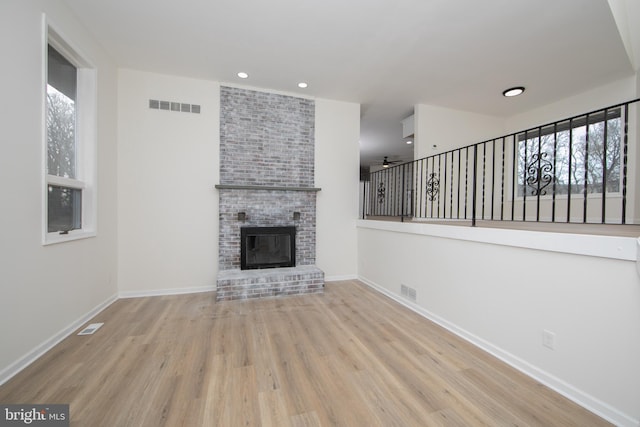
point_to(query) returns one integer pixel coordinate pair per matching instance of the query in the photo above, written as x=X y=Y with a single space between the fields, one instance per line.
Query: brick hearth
x=270 y=282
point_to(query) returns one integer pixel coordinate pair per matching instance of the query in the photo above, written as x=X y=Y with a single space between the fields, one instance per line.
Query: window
x=571 y=156
x=69 y=187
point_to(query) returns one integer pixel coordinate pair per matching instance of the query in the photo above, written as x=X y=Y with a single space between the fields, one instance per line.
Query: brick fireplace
x=266 y=180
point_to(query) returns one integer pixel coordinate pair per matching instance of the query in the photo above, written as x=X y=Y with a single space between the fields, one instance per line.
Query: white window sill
x=55 y=238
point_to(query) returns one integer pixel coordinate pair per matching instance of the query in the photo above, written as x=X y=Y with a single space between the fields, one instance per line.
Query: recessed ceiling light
x=243 y=75
x=409 y=142
x=513 y=91
x=302 y=85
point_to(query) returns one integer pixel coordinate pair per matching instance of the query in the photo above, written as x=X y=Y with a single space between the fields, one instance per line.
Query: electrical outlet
x=549 y=339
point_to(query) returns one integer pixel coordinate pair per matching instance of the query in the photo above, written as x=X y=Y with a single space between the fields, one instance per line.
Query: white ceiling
x=386 y=55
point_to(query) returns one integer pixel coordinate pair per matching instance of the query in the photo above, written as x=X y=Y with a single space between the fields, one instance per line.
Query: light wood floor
x=350 y=357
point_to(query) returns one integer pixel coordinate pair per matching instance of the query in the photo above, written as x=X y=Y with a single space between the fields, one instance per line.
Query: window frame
x=85 y=136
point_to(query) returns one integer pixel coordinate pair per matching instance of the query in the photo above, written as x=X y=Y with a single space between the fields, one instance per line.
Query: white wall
x=338 y=174
x=46 y=291
x=505 y=297
x=448 y=129
x=168 y=164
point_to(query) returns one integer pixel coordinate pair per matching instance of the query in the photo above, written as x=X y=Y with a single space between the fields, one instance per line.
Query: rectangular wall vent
x=90 y=329
x=155 y=104
x=408 y=292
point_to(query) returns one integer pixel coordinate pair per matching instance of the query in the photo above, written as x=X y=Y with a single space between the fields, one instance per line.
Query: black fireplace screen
x=267 y=247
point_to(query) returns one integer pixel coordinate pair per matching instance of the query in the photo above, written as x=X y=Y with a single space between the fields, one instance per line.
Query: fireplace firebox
x=267 y=247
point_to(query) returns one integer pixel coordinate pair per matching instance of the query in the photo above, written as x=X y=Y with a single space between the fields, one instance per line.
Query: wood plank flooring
x=348 y=357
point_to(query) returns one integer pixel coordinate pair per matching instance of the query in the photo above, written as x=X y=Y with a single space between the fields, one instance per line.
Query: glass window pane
x=64 y=209
x=61 y=116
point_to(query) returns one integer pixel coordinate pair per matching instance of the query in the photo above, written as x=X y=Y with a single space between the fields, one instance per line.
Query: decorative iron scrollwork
x=381 y=193
x=433 y=187
x=539 y=174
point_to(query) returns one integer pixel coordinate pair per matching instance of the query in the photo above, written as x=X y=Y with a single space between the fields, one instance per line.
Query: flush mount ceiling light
x=302 y=85
x=409 y=142
x=243 y=75
x=513 y=91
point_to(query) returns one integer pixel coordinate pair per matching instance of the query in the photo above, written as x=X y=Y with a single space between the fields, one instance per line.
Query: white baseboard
x=161 y=292
x=340 y=278
x=583 y=399
x=13 y=369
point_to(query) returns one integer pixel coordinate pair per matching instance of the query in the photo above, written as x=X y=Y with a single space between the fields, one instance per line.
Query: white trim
x=56 y=237
x=341 y=278
x=61 y=181
x=20 y=364
x=583 y=399
x=622 y=248
x=161 y=292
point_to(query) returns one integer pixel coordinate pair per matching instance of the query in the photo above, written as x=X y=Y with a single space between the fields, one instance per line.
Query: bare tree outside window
x=61 y=143
x=565 y=159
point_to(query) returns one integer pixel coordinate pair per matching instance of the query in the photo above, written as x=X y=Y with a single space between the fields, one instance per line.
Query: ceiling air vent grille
x=155 y=104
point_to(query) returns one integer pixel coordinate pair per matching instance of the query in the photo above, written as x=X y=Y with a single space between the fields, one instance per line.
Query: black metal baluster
x=586 y=171
x=459 y=179
x=420 y=194
x=373 y=187
x=493 y=176
x=514 y=178
x=570 y=165
x=433 y=168
x=439 y=175
x=524 y=177
x=444 y=197
x=554 y=177
x=502 y=182
x=402 y=195
x=397 y=186
x=385 y=205
x=539 y=171
x=380 y=206
x=466 y=182
x=475 y=173
x=451 y=187
x=604 y=165
x=364 y=196
x=624 y=163
x=414 y=185
x=484 y=175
